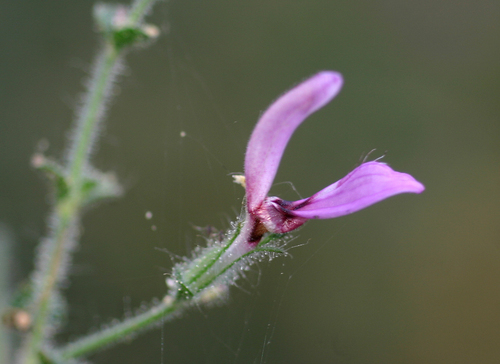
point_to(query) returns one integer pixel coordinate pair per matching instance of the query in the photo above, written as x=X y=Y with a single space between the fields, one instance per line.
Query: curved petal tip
x=276 y=126
x=369 y=183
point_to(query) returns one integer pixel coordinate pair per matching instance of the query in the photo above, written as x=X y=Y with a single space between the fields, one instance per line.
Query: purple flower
x=367 y=184
x=221 y=263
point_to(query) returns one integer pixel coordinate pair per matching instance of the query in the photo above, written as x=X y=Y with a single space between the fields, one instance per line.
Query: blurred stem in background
x=76 y=183
x=5 y=281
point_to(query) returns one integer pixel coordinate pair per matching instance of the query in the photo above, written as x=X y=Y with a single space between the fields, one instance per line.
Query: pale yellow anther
x=240 y=179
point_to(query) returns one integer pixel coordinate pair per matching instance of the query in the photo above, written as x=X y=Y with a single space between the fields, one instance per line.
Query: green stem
x=94 y=104
x=57 y=248
x=165 y=310
x=55 y=251
x=139 y=9
x=50 y=273
x=92 y=112
x=6 y=266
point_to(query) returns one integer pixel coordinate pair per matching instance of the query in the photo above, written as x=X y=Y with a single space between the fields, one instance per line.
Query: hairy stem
x=54 y=254
x=47 y=278
x=119 y=332
x=55 y=250
x=92 y=112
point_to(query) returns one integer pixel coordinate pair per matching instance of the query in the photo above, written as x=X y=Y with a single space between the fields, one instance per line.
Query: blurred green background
x=414 y=279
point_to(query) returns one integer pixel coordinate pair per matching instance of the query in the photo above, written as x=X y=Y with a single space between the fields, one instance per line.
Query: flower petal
x=275 y=215
x=276 y=126
x=369 y=183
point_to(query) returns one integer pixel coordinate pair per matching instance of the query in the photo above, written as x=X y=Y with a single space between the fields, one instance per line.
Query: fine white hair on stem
x=84 y=108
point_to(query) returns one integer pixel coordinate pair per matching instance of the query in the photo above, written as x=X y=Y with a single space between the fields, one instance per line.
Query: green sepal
x=55 y=172
x=95 y=186
x=99 y=186
x=128 y=36
x=200 y=265
x=275 y=250
x=269 y=238
x=183 y=292
x=113 y=21
x=195 y=277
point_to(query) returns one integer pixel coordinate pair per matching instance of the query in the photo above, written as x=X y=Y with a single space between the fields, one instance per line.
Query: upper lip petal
x=276 y=126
